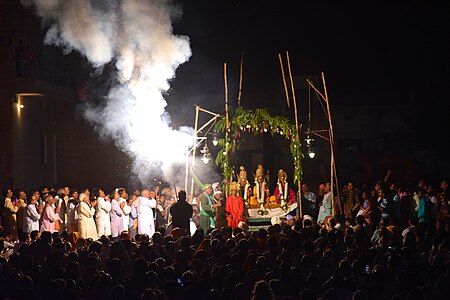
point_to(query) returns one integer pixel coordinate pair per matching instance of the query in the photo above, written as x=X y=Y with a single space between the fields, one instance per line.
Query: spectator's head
x=34 y=235
x=7 y=193
x=262 y=291
x=182 y=195
x=360 y=295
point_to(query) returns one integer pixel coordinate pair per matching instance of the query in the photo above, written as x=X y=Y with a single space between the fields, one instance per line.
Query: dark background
x=389 y=57
x=385 y=62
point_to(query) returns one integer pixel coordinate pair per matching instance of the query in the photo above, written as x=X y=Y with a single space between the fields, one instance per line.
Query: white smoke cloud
x=138 y=36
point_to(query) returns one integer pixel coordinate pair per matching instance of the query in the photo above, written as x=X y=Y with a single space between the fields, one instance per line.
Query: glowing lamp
x=206 y=155
x=215 y=141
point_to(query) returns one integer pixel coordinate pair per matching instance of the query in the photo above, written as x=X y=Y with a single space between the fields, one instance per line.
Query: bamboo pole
x=226 y=113
x=333 y=162
x=286 y=93
x=319 y=94
x=226 y=97
x=240 y=78
x=293 y=91
x=187 y=168
x=299 y=203
x=193 y=151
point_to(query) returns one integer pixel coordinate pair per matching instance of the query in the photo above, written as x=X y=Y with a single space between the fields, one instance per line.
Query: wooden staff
x=284 y=80
x=240 y=78
x=296 y=126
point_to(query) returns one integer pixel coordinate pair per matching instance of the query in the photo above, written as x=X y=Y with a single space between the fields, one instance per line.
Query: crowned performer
x=261 y=189
x=284 y=194
x=234 y=207
x=244 y=189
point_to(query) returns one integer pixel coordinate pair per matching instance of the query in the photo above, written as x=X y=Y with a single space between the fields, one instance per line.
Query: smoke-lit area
x=137 y=36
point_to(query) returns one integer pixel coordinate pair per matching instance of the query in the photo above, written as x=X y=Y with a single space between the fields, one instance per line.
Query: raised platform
x=256 y=221
x=272 y=211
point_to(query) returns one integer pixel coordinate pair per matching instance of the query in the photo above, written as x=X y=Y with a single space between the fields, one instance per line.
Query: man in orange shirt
x=234 y=207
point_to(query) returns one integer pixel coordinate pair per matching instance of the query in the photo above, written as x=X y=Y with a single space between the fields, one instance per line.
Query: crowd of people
x=379 y=242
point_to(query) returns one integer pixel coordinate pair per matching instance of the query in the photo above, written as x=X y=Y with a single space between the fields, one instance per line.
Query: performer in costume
x=234 y=207
x=284 y=194
x=261 y=189
x=244 y=190
x=207 y=204
x=207 y=211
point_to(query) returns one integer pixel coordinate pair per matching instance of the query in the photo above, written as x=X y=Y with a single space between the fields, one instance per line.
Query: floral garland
x=247 y=185
x=260 y=197
x=283 y=195
x=256 y=122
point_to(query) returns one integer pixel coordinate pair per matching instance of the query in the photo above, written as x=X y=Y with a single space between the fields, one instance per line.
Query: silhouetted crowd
x=383 y=242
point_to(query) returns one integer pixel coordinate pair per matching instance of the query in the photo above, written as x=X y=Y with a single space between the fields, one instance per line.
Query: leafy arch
x=257 y=122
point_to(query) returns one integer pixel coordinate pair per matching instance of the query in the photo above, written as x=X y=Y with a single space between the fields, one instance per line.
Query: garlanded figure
x=261 y=190
x=234 y=207
x=244 y=190
x=284 y=194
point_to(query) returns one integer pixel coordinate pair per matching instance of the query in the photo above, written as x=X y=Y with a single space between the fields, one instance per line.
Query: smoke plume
x=137 y=36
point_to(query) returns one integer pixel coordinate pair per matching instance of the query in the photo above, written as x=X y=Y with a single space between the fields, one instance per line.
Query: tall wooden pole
x=225 y=79
x=286 y=93
x=293 y=91
x=299 y=201
x=193 y=150
x=333 y=163
x=240 y=79
x=186 y=170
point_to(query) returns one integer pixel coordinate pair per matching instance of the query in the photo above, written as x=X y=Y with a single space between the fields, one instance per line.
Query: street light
x=206 y=154
x=19 y=105
x=310 y=146
x=215 y=141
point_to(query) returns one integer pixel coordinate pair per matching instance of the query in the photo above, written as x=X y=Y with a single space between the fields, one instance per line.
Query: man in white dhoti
x=102 y=210
x=146 y=221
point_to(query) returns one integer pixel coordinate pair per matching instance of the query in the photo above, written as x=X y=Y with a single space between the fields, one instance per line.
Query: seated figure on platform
x=261 y=189
x=244 y=189
x=284 y=194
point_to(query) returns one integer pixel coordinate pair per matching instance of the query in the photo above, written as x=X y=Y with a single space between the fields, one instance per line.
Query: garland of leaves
x=256 y=122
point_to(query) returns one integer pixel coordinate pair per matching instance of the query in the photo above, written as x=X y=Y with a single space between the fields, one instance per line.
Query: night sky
x=370 y=51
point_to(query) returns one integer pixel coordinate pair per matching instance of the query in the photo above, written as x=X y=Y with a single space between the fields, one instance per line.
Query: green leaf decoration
x=257 y=122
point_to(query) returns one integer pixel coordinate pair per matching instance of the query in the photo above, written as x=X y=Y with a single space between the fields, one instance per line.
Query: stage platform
x=256 y=221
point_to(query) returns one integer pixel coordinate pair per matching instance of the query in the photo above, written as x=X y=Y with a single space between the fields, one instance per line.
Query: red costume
x=291 y=198
x=235 y=211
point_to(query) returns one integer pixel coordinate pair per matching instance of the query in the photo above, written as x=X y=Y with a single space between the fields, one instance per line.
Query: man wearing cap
x=207 y=211
x=234 y=207
x=284 y=194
